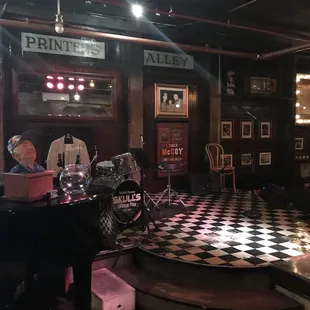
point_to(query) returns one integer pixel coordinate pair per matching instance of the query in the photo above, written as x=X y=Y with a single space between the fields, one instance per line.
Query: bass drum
x=126 y=198
x=126 y=202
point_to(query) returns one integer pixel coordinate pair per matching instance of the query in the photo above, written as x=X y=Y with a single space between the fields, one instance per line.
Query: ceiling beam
x=207 y=21
x=42 y=27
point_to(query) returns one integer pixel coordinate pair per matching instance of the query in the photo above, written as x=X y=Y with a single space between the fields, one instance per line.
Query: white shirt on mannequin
x=70 y=151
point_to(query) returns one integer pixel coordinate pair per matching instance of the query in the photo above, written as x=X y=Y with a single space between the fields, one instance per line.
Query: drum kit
x=124 y=177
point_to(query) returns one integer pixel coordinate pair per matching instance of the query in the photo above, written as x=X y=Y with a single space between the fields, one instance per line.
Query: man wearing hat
x=22 y=149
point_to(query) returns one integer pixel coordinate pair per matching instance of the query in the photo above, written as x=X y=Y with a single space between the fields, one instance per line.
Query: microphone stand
x=252 y=213
x=144 y=192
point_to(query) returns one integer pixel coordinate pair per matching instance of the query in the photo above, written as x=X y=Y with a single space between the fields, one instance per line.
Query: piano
x=62 y=232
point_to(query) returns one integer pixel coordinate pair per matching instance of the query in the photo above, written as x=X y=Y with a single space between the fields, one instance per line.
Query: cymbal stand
x=170 y=192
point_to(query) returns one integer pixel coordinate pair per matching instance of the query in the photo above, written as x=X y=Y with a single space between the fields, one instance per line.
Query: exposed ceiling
x=289 y=21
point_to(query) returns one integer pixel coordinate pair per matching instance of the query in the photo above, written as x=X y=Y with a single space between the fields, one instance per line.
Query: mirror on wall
x=302 y=99
x=56 y=95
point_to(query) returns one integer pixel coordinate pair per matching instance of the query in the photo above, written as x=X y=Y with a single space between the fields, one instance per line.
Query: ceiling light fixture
x=137 y=10
x=59 y=20
x=50 y=85
x=60 y=86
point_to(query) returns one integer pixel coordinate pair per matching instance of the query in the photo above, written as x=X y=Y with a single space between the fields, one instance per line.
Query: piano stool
x=109 y=292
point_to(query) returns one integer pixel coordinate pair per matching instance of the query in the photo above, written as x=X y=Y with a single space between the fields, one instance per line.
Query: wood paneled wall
x=276 y=108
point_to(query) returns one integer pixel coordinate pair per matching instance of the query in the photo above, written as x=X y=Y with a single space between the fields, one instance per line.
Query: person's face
x=25 y=152
x=165 y=97
x=175 y=97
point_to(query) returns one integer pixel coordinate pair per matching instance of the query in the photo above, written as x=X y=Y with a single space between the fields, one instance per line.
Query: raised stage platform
x=215 y=232
x=213 y=257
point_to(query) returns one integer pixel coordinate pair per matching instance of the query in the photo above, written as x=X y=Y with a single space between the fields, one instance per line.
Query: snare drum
x=126 y=167
x=105 y=169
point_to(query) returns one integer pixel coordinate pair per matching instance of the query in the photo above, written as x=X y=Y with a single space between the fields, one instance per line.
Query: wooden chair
x=216 y=160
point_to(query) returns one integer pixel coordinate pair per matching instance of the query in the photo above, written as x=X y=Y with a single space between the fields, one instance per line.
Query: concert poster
x=172 y=148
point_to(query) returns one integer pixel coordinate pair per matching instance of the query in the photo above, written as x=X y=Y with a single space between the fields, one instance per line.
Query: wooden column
x=135 y=96
x=2 y=142
x=215 y=100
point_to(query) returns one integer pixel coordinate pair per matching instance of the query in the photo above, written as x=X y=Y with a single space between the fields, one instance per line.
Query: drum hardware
x=169 y=191
x=95 y=156
x=143 y=162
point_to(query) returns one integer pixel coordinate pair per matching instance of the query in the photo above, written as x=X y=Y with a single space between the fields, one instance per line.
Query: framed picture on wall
x=305 y=170
x=265 y=130
x=171 y=101
x=226 y=130
x=227 y=160
x=299 y=144
x=264 y=159
x=246 y=159
x=246 y=129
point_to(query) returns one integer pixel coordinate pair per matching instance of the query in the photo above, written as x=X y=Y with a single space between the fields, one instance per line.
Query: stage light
x=60 y=78
x=50 y=85
x=81 y=80
x=76 y=97
x=60 y=86
x=80 y=87
x=71 y=79
x=92 y=84
x=49 y=77
x=137 y=10
x=71 y=86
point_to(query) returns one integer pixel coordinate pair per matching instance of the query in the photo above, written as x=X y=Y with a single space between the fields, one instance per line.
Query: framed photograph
x=246 y=129
x=226 y=130
x=227 y=160
x=299 y=144
x=265 y=130
x=246 y=159
x=264 y=159
x=305 y=170
x=171 y=101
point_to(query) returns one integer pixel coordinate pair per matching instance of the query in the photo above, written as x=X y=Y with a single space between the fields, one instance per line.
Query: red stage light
x=80 y=87
x=81 y=80
x=71 y=86
x=71 y=79
x=50 y=85
x=60 y=78
x=60 y=86
x=49 y=77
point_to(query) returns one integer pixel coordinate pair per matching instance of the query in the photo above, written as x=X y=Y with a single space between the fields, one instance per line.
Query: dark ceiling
x=288 y=20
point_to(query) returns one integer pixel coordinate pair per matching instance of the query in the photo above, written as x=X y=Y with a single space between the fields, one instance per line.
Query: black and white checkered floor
x=216 y=232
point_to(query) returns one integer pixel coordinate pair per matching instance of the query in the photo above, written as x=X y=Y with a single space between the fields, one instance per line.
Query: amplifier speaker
x=200 y=184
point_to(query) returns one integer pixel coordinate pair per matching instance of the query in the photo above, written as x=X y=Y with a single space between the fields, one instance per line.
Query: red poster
x=172 y=148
